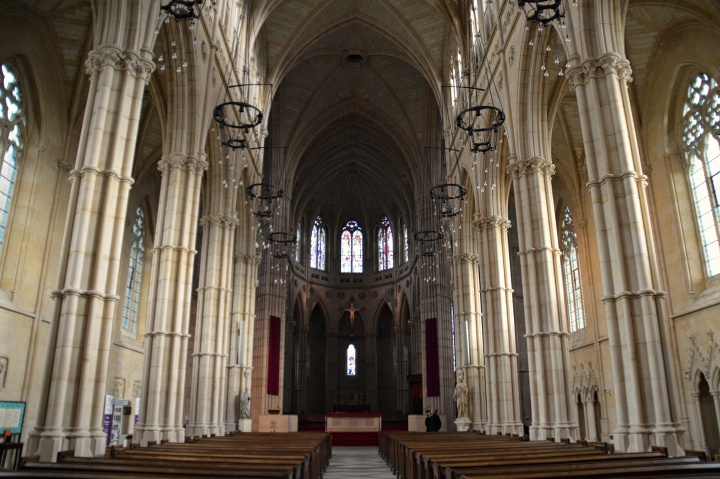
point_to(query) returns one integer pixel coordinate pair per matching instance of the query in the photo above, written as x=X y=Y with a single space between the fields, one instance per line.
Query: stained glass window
x=701 y=141
x=385 y=245
x=12 y=126
x=318 y=243
x=297 y=235
x=406 y=245
x=351 y=248
x=571 y=268
x=134 y=278
x=351 y=360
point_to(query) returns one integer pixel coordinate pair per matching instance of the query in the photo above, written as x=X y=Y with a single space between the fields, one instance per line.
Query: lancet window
x=351 y=248
x=318 y=244
x=134 y=276
x=12 y=126
x=701 y=142
x=571 y=269
x=351 y=360
x=385 y=245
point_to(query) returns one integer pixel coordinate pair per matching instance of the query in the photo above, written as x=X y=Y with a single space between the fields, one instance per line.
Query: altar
x=353 y=422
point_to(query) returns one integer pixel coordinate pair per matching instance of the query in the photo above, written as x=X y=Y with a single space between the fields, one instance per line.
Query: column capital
x=610 y=63
x=465 y=258
x=251 y=259
x=531 y=165
x=219 y=220
x=180 y=161
x=491 y=222
x=120 y=60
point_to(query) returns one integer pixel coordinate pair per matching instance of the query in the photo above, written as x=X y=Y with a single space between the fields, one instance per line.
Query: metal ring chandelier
x=483 y=136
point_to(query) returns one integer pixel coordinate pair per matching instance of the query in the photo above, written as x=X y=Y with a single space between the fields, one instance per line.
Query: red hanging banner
x=273 y=377
x=432 y=363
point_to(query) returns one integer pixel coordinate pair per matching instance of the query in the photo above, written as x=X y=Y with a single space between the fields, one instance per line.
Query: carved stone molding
x=177 y=161
x=119 y=388
x=584 y=380
x=531 y=166
x=465 y=258
x=251 y=259
x=119 y=60
x=219 y=220
x=707 y=362
x=600 y=68
x=492 y=222
x=63 y=165
x=137 y=389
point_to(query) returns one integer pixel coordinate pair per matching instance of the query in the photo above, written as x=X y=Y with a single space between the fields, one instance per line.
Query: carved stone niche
x=3 y=371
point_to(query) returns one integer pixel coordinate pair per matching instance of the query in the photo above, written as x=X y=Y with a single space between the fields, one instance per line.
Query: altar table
x=353 y=422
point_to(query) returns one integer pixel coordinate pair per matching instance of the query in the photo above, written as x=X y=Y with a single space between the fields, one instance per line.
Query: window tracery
x=12 y=126
x=701 y=141
x=318 y=244
x=571 y=270
x=134 y=276
x=385 y=245
x=351 y=248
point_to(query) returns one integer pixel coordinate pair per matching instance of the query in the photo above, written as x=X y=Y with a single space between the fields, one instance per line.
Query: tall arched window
x=351 y=248
x=350 y=357
x=571 y=268
x=406 y=244
x=318 y=244
x=12 y=125
x=701 y=141
x=134 y=276
x=385 y=245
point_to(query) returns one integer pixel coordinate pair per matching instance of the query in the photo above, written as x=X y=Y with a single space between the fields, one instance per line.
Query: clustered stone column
x=241 y=339
x=72 y=403
x=617 y=190
x=210 y=359
x=498 y=326
x=166 y=339
x=469 y=335
x=546 y=321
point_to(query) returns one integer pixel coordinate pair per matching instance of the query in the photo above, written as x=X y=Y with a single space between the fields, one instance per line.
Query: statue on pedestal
x=461 y=395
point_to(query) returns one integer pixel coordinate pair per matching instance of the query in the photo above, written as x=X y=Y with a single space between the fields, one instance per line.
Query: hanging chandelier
x=282 y=245
x=264 y=197
x=448 y=198
x=482 y=123
x=427 y=241
x=179 y=10
x=544 y=13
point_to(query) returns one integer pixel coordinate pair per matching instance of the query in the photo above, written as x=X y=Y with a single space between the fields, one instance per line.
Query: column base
x=245 y=424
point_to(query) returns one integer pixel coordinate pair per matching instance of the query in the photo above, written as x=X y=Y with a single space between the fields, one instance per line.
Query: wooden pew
x=258 y=455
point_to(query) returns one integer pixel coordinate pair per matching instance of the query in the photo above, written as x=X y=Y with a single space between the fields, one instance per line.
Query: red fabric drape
x=432 y=364
x=273 y=377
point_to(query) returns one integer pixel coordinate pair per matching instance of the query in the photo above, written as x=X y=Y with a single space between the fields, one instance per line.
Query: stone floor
x=357 y=463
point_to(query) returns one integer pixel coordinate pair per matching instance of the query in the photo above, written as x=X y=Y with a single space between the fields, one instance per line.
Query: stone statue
x=245 y=405
x=461 y=396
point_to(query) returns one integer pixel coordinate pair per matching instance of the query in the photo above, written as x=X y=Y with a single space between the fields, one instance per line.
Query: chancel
x=234 y=215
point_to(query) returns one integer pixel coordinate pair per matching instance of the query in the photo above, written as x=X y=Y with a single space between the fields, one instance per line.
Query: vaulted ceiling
x=357 y=87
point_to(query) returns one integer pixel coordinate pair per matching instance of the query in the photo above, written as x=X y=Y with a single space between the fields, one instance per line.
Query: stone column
x=72 y=403
x=504 y=414
x=545 y=314
x=210 y=359
x=590 y=406
x=241 y=338
x=627 y=257
x=166 y=339
x=469 y=356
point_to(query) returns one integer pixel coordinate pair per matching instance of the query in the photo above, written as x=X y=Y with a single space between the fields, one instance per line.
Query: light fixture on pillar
x=482 y=124
x=235 y=119
x=448 y=199
x=180 y=11
x=427 y=244
x=543 y=14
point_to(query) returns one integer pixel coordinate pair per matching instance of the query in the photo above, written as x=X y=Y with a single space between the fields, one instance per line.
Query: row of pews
x=243 y=455
x=473 y=456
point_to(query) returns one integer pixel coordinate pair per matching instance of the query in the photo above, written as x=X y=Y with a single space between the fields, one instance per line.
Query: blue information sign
x=11 y=416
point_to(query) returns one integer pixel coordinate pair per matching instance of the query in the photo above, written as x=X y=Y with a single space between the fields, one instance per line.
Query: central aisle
x=357 y=463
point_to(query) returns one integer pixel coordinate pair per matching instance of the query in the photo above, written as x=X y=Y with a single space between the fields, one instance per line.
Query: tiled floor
x=357 y=463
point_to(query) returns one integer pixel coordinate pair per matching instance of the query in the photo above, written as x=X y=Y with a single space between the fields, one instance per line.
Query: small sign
x=11 y=416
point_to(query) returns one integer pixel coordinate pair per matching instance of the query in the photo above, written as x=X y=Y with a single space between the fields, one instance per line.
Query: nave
x=357 y=462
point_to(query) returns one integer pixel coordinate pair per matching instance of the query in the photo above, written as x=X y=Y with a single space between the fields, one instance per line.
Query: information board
x=11 y=416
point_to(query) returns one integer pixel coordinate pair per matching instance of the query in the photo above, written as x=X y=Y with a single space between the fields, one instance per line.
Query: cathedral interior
x=213 y=210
